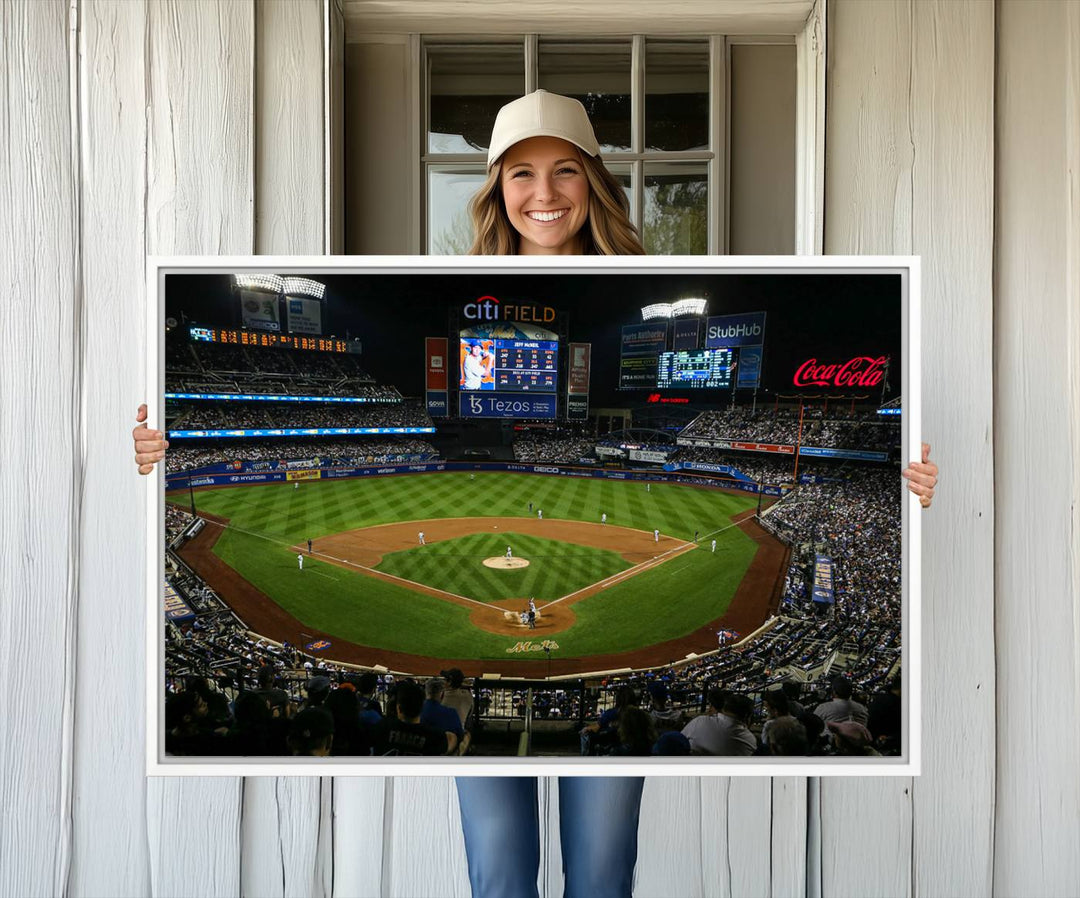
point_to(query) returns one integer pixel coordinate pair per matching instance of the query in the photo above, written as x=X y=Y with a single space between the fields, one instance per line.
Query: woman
x=547 y=193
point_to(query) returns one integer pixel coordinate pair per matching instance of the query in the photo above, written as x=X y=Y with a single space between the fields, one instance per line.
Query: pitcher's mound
x=505 y=564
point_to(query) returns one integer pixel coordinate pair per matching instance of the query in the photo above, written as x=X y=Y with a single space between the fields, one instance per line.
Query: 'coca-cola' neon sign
x=861 y=371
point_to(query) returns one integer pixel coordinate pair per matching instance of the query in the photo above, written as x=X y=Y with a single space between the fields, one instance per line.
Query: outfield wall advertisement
x=303 y=316
x=435 y=377
x=259 y=311
x=854 y=454
x=686 y=334
x=180 y=481
x=749 y=369
x=577 y=381
x=822 y=591
x=747 y=329
x=641 y=347
x=736 y=444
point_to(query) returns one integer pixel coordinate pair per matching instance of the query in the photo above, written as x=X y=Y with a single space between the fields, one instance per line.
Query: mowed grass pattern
x=666 y=602
x=457 y=565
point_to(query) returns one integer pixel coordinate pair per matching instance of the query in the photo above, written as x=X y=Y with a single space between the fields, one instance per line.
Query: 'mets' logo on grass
x=488 y=308
x=530 y=646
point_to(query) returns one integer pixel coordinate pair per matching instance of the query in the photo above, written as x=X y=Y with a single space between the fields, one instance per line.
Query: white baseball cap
x=541 y=114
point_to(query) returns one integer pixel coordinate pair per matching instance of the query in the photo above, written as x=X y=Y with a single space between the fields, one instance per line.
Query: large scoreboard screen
x=703 y=368
x=509 y=366
x=262 y=338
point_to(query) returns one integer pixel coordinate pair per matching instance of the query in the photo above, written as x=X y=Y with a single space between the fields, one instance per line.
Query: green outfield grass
x=456 y=565
x=665 y=602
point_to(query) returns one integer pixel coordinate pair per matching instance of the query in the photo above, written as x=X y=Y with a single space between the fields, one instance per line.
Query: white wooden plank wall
x=909 y=152
x=197 y=127
x=199 y=197
x=282 y=853
x=41 y=444
x=1037 y=367
x=111 y=858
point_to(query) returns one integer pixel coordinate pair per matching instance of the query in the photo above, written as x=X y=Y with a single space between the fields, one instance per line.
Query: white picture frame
x=907 y=764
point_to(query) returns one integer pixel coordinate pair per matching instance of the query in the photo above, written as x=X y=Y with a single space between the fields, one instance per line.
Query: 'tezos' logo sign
x=488 y=308
x=861 y=371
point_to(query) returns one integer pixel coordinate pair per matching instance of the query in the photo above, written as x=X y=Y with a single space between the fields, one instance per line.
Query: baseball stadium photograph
x=533 y=515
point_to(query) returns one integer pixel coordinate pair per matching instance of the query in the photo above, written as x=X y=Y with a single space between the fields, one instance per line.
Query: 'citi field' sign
x=488 y=308
x=861 y=371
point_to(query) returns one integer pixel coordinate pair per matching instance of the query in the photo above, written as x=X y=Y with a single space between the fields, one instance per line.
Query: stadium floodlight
x=304 y=287
x=656 y=310
x=688 y=307
x=271 y=283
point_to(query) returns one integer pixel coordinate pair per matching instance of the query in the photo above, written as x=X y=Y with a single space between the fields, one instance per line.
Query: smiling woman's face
x=546 y=195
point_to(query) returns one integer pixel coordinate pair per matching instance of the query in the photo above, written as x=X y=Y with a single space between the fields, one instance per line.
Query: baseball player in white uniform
x=540 y=514
x=656 y=536
x=300 y=560
x=603 y=518
x=420 y=537
x=509 y=552
x=714 y=546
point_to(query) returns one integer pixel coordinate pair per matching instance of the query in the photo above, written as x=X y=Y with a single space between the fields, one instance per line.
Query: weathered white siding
x=909 y=169
x=953 y=132
x=1037 y=483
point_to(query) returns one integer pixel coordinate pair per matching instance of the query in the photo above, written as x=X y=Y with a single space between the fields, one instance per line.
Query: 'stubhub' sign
x=488 y=308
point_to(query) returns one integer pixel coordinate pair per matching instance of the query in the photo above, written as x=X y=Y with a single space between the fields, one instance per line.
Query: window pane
x=597 y=74
x=623 y=174
x=466 y=87
x=676 y=209
x=449 y=191
x=676 y=95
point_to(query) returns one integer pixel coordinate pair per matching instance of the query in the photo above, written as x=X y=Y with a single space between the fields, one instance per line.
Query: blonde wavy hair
x=607 y=231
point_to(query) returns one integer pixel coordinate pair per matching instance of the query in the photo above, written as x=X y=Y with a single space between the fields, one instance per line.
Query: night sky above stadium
x=829 y=317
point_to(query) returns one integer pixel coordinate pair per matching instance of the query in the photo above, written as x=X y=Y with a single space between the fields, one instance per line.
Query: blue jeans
x=598 y=821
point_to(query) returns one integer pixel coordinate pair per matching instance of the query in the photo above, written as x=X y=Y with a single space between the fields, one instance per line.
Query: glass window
x=676 y=95
x=449 y=190
x=676 y=208
x=624 y=174
x=597 y=74
x=467 y=85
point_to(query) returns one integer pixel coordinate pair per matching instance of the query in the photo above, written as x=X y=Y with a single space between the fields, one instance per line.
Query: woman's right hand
x=150 y=445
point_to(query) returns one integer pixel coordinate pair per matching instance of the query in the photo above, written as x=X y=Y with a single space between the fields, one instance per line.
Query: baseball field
x=368 y=586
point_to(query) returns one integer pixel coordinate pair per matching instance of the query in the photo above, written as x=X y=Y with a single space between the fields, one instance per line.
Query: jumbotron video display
x=512 y=366
x=699 y=368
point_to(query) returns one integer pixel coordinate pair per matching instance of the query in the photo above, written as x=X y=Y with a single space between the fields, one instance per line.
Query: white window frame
x=809 y=42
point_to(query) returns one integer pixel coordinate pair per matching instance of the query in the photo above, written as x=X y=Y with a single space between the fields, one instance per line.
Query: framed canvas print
x=506 y=516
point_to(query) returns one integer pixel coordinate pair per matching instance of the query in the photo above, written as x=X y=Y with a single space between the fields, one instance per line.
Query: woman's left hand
x=922 y=477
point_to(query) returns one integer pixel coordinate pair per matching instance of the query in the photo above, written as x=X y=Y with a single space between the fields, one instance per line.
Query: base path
x=757 y=596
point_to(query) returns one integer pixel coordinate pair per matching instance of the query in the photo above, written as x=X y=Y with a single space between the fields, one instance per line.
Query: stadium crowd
x=545 y=449
x=269 y=415
x=837 y=428
x=261 y=385
x=347 y=451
